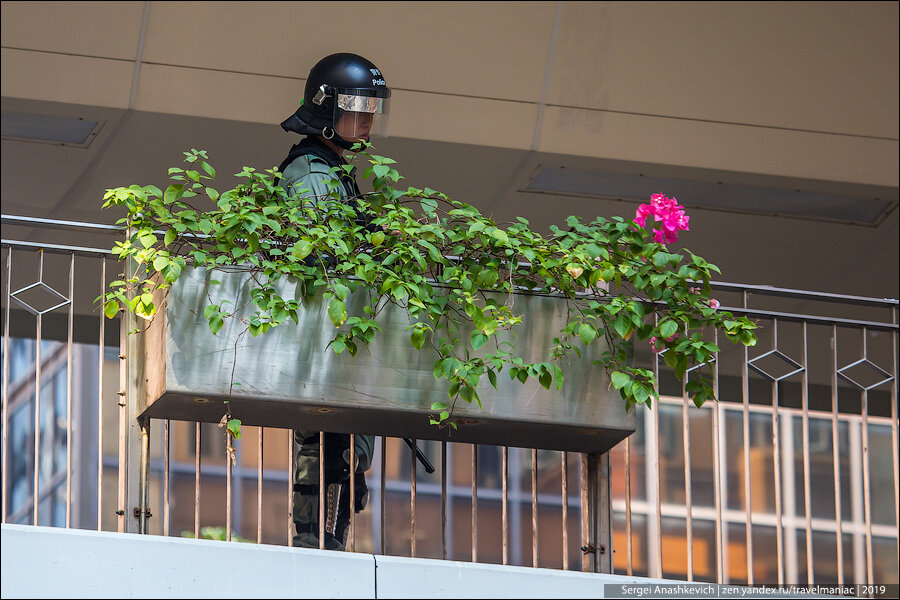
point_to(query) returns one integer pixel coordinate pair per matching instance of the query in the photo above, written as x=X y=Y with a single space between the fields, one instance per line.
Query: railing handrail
x=23 y=221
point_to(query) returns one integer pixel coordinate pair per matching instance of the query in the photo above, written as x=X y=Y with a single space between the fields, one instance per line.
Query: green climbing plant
x=442 y=261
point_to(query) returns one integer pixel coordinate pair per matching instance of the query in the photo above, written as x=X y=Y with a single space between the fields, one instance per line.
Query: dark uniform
x=340 y=86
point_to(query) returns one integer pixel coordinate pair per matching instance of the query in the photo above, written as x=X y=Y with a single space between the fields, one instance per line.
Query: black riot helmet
x=344 y=95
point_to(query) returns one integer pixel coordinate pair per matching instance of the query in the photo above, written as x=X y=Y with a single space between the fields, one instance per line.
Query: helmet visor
x=366 y=104
x=360 y=117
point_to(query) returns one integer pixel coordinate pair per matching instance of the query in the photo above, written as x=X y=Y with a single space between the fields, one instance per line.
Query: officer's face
x=354 y=125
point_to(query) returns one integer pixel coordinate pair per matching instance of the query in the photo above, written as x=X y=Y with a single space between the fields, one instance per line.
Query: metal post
x=166 y=494
x=505 y=504
x=352 y=537
x=6 y=351
x=100 y=400
x=69 y=441
x=197 y=480
x=565 y=510
x=259 y=485
x=688 y=490
x=596 y=514
x=836 y=458
x=412 y=500
x=144 y=476
x=474 y=503
x=130 y=431
x=444 y=500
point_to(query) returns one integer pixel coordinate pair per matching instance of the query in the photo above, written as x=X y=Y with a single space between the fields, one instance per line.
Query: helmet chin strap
x=336 y=139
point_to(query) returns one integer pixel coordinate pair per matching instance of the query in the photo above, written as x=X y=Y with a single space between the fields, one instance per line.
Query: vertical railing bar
x=807 y=494
x=259 y=484
x=629 y=550
x=835 y=439
x=100 y=360
x=381 y=492
x=292 y=468
x=322 y=495
x=894 y=441
x=565 y=510
x=655 y=466
x=686 y=451
x=534 y=509
x=37 y=403
x=443 y=500
x=717 y=476
x=123 y=422
x=505 y=504
x=474 y=503
x=69 y=441
x=144 y=476
x=229 y=463
x=867 y=490
x=745 y=392
x=857 y=516
x=197 y=481
x=585 y=513
x=166 y=516
x=412 y=500
x=776 y=465
x=352 y=536
x=3 y=490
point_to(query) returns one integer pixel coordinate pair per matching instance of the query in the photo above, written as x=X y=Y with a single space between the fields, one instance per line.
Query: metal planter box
x=287 y=378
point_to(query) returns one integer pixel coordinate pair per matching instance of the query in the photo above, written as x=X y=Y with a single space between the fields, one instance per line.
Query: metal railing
x=720 y=493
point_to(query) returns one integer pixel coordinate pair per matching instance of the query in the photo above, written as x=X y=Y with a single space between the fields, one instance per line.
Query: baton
x=429 y=468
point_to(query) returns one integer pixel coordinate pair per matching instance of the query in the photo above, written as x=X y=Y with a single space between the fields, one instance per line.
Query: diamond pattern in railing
x=39 y=298
x=775 y=360
x=864 y=374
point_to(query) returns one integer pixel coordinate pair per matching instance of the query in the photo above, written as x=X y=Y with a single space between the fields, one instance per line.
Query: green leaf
x=169 y=237
x=173 y=193
x=417 y=338
x=301 y=250
x=377 y=238
x=478 y=339
x=429 y=206
x=668 y=328
x=587 y=333
x=110 y=309
x=147 y=240
x=619 y=379
x=492 y=376
x=234 y=428
x=340 y=290
x=216 y=323
x=337 y=312
x=546 y=379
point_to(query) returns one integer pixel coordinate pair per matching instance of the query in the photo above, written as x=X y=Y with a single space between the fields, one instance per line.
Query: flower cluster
x=666 y=211
x=712 y=302
x=655 y=348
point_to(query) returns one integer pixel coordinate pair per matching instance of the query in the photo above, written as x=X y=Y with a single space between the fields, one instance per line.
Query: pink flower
x=653 y=346
x=714 y=304
x=666 y=211
x=658 y=236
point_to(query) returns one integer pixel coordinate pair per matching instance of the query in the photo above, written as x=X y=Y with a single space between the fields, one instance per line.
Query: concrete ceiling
x=485 y=95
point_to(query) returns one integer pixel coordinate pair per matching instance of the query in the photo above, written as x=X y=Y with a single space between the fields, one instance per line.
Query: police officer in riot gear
x=344 y=99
